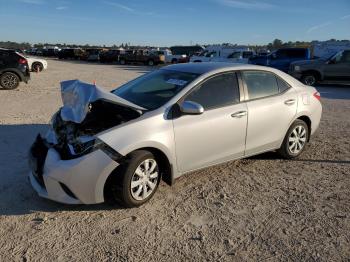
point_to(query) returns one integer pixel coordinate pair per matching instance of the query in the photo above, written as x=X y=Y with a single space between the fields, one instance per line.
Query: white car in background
x=241 y=57
x=170 y=58
x=36 y=64
x=234 y=56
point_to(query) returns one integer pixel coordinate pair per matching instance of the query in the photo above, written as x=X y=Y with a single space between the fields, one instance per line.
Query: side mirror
x=191 y=108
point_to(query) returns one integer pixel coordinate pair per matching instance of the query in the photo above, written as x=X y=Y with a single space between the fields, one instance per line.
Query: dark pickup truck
x=335 y=69
x=141 y=56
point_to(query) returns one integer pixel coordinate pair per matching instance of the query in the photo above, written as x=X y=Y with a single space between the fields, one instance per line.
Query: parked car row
x=297 y=62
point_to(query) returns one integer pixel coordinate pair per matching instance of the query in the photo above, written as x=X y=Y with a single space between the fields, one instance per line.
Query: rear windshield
x=156 y=88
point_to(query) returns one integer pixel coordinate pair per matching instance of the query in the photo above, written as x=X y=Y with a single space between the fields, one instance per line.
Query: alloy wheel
x=9 y=81
x=309 y=80
x=297 y=139
x=144 y=180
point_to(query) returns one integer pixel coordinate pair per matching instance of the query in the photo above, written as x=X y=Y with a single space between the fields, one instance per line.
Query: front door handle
x=239 y=114
x=289 y=102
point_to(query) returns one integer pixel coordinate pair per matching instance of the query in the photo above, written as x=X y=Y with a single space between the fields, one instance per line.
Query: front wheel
x=150 y=62
x=295 y=140
x=122 y=61
x=137 y=180
x=9 y=80
x=309 y=79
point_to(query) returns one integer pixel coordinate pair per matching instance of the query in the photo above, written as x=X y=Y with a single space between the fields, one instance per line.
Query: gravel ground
x=261 y=208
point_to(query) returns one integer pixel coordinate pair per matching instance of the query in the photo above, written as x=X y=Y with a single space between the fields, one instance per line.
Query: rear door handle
x=239 y=114
x=289 y=102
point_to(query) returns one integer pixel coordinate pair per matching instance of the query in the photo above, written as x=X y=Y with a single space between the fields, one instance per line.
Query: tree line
x=275 y=44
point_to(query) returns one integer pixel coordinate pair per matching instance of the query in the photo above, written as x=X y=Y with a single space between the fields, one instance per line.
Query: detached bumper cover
x=76 y=181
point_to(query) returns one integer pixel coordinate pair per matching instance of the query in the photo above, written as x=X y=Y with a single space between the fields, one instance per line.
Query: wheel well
x=36 y=63
x=307 y=121
x=314 y=72
x=164 y=164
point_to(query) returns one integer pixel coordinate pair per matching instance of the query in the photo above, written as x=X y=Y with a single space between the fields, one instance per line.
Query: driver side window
x=218 y=91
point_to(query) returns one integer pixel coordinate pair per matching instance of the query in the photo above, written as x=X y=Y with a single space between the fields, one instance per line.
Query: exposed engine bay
x=87 y=110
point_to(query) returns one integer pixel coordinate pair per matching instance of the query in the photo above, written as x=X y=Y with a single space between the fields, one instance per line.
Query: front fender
x=153 y=132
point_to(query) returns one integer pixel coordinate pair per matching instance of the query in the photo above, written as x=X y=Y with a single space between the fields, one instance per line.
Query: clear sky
x=166 y=22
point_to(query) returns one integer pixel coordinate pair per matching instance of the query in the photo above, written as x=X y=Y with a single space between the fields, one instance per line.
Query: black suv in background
x=70 y=53
x=110 y=56
x=13 y=69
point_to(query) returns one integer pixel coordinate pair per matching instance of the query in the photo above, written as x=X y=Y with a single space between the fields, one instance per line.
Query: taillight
x=22 y=61
x=317 y=95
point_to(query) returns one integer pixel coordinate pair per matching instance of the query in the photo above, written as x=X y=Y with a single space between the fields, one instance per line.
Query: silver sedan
x=164 y=124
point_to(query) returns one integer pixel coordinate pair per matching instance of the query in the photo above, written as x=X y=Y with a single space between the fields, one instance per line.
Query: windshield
x=154 y=89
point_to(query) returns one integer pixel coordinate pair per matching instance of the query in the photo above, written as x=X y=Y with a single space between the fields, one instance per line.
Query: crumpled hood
x=77 y=95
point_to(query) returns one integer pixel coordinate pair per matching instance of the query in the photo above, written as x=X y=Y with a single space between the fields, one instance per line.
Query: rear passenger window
x=260 y=84
x=217 y=91
x=282 y=85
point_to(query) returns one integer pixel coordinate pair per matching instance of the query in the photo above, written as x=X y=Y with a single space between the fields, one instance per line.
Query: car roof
x=217 y=67
x=206 y=67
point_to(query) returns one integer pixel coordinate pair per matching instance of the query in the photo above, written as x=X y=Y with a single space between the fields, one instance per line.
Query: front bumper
x=76 y=181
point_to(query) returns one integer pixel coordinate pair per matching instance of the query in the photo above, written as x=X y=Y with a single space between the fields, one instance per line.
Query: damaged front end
x=87 y=110
x=70 y=165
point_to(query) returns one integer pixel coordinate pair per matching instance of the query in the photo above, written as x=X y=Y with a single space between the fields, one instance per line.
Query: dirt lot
x=262 y=208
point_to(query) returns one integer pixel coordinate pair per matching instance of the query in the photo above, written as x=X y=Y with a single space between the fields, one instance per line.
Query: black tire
x=121 y=188
x=309 y=79
x=174 y=61
x=37 y=66
x=122 y=61
x=197 y=61
x=9 y=80
x=285 y=150
x=150 y=62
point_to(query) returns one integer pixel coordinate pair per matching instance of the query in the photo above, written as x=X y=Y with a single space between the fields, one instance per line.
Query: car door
x=272 y=105
x=338 y=68
x=219 y=133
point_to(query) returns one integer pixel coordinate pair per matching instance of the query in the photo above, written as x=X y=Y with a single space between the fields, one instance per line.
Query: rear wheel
x=309 y=79
x=37 y=67
x=150 y=62
x=137 y=180
x=295 y=140
x=9 y=80
x=174 y=61
x=122 y=61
